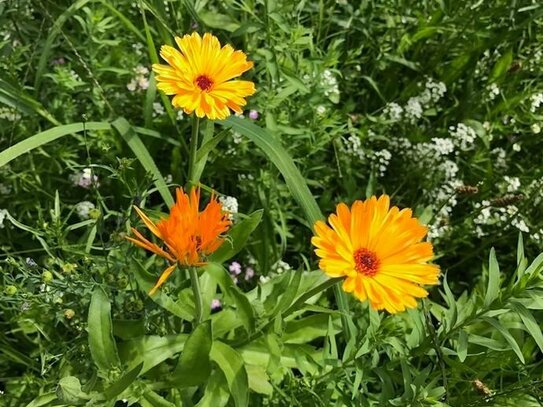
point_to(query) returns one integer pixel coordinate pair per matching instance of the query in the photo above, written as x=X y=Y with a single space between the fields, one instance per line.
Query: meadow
x=271 y=203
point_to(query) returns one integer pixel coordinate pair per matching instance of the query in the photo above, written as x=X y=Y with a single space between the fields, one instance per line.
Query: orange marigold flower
x=378 y=249
x=200 y=76
x=189 y=235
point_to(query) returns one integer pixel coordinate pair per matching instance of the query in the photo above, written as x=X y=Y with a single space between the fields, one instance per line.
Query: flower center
x=366 y=262
x=204 y=82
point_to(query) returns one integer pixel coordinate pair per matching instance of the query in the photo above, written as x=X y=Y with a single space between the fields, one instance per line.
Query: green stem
x=343 y=306
x=194 y=138
x=198 y=303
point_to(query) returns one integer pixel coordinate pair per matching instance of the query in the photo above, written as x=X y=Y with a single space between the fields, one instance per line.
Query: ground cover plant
x=342 y=207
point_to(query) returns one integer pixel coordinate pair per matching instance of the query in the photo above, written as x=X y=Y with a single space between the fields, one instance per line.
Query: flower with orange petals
x=380 y=252
x=200 y=75
x=189 y=235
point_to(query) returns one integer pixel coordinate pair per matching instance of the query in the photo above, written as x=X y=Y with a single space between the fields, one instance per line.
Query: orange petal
x=148 y=222
x=163 y=277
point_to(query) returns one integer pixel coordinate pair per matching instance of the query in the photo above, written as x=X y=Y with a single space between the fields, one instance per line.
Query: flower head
x=378 y=249
x=189 y=235
x=200 y=76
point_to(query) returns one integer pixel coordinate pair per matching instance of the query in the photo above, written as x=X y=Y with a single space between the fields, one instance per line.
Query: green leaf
x=44 y=137
x=140 y=151
x=146 y=281
x=282 y=160
x=259 y=382
x=152 y=399
x=529 y=322
x=501 y=66
x=237 y=237
x=245 y=309
x=493 y=287
x=101 y=343
x=194 y=366
x=508 y=337
x=462 y=349
x=69 y=390
x=216 y=393
x=231 y=364
x=151 y=350
x=43 y=400
x=120 y=385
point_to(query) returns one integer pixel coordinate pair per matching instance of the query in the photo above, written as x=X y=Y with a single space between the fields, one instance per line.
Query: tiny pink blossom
x=253 y=115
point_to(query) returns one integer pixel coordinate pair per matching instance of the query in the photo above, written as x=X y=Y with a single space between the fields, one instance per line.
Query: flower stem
x=198 y=303
x=194 y=138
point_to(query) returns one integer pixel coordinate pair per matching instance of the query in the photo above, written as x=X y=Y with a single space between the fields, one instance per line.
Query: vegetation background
x=439 y=104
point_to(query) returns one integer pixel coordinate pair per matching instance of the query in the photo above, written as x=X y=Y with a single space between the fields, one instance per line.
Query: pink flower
x=253 y=115
x=216 y=304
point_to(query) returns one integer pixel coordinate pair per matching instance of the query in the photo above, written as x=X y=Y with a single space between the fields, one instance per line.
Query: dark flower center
x=366 y=262
x=204 y=82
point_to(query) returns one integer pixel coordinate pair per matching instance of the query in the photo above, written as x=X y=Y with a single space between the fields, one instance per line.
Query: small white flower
x=158 y=109
x=413 y=109
x=463 y=136
x=131 y=86
x=353 y=146
x=229 y=204
x=264 y=279
x=513 y=183
x=3 y=216
x=536 y=129
x=393 y=112
x=516 y=147
x=493 y=91
x=83 y=209
x=85 y=179
x=536 y=102
x=9 y=114
x=321 y=110
x=281 y=266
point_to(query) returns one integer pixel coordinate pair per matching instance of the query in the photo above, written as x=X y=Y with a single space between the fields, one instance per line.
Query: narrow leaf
x=44 y=137
x=493 y=287
x=140 y=151
x=101 y=343
x=508 y=337
x=529 y=322
x=462 y=349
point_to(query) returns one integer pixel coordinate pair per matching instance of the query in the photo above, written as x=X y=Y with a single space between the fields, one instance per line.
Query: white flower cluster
x=140 y=80
x=432 y=93
x=463 y=136
x=499 y=160
x=158 y=109
x=281 y=267
x=512 y=183
x=353 y=146
x=493 y=91
x=85 y=178
x=9 y=114
x=381 y=159
x=538 y=236
x=330 y=84
x=3 y=215
x=414 y=108
x=393 y=112
x=491 y=216
x=229 y=204
x=536 y=102
x=321 y=110
x=83 y=209
x=442 y=146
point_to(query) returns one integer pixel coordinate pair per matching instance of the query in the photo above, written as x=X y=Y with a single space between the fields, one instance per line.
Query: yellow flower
x=378 y=249
x=189 y=235
x=200 y=76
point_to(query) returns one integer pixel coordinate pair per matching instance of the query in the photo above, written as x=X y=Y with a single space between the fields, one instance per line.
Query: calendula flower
x=378 y=249
x=200 y=76
x=189 y=235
